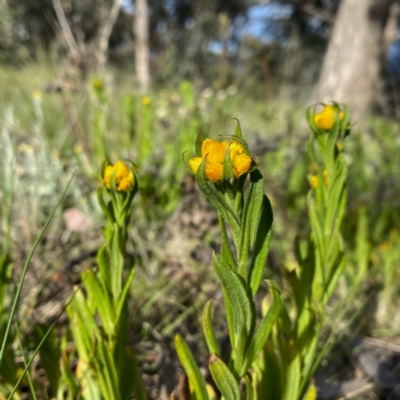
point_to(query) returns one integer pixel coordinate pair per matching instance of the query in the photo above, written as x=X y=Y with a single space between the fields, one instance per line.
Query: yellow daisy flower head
x=213 y=152
x=326 y=118
x=124 y=177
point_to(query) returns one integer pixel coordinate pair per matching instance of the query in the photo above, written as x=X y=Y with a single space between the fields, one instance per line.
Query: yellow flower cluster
x=124 y=177
x=214 y=152
x=326 y=118
x=146 y=101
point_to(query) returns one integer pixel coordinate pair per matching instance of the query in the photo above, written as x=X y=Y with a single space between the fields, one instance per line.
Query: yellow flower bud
x=235 y=149
x=215 y=151
x=37 y=94
x=214 y=172
x=146 y=101
x=241 y=165
x=326 y=118
x=97 y=83
x=195 y=163
x=314 y=181
x=124 y=177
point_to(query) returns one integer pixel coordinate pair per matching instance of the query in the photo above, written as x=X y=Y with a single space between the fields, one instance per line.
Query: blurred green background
x=84 y=79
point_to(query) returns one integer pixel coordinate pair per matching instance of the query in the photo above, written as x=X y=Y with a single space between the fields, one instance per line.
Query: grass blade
x=25 y=268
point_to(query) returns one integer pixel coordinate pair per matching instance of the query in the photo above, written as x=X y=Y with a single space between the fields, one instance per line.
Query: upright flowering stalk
x=327 y=199
x=221 y=170
x=321 y=260
x=99 y=319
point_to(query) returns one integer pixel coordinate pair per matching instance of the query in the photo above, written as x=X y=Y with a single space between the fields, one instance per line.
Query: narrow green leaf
x=226 y=251
x=335 y=192
x=250 y=394
x=117 y=262
x=49 y=355
x=67 y=375
x=270 y=384
x=224 y=378
x=28 y=374
x=337 y=270
x=104 y=206
x=208 y=330
x=293 y=374
x=264 y=329
x=35 y=353
x=104 y=264
x=89 y=387
x=227 y=174
x=105 y=370
x=100 y=296
x=238 y=131
x=192 y=370
x=235 y=289
x=124 y=293
x=261 y=247
x=251 y=219
x=24 y=270
x=79 y=304
x=229 y=318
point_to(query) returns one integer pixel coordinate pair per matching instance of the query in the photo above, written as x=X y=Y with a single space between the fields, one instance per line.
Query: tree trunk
x=104 y=35
x=351 y=67
x=142 y=45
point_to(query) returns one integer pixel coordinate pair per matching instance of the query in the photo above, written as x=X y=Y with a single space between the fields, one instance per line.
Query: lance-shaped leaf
x=208 y=330
x=216 y=199
x=98 y=294
x=238 y=131
x=251 y=219
x=264 y=329
x=292 y=360
x=337 y=270
x=192 y=370
x=261 y=247
x=103 y=261
x=270 y=384
x=227 y=174
x=335 y=192
x=250 y=393
x=105 y=370
x=224 y=378
x=117 y=262
x=124 y=294
x=236 y=293
x=226 y=251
